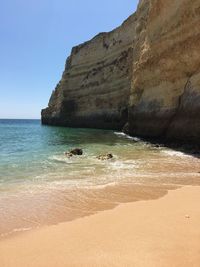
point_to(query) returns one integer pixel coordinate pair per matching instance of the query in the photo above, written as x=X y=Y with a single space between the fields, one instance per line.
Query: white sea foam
x=60 y=158
x=16 y=230
x=176 y=153
x=136 y=139
x=123 y=165
x=100 y=186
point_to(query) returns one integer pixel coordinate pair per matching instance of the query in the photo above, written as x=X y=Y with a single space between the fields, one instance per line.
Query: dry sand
x=163 y=232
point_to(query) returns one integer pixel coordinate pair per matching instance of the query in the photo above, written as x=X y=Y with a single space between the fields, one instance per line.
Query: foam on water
x=121 y=134
x=37 y=180
x=176 y=153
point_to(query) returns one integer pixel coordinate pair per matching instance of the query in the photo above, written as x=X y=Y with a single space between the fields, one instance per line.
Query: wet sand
x=26 y=212
x=157 y=233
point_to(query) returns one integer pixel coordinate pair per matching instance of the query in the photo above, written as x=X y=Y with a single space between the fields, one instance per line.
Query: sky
x=36 y=36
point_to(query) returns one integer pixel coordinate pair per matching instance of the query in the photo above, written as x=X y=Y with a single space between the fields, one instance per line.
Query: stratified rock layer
x=95 y=87
x=165 y=90
x=145 y=74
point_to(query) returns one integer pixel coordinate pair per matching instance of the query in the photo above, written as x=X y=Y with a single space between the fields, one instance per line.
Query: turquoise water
x=40 y=185
x=31 y=153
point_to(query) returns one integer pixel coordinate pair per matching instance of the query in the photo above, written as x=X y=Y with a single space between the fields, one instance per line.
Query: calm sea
x=39 y=185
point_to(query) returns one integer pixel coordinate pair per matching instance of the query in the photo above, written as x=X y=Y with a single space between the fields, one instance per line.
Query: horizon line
x=20 y=118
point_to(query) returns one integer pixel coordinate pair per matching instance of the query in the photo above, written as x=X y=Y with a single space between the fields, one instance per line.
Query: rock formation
x=165 y=89
x=95 y=87
x=145 y=74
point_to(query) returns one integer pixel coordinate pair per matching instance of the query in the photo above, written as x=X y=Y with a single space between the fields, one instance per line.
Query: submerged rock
x=68 y=154
x=77 y=151
x=105 y=157
x=74 y=152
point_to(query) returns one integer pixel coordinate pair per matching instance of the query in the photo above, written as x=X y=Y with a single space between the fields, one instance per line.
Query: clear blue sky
x=36 y=36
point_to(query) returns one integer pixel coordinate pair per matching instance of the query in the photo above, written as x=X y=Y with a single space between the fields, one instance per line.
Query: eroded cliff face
x=146 y=73
x=95 y=87
x=165 y=92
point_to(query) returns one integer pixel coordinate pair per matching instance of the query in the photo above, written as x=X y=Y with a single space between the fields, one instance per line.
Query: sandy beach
x=163 y=232
x=100 y=134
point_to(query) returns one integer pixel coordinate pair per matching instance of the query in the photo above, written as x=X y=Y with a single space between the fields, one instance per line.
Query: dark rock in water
x=74 y=152
x=126 y=128
x=77 y=151
x=68 y=154
x=105 y=157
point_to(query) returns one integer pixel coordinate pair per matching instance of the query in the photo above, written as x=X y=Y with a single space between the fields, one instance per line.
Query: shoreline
x=157 y=233
x=95 y=200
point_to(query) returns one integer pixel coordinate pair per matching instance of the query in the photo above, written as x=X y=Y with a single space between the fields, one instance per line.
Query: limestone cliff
x=146 y=72
x=95 y=87
x=165 y=93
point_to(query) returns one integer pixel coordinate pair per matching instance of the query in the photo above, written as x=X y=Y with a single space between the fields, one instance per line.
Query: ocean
x=39 y=185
